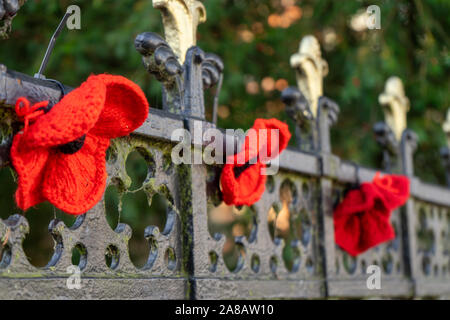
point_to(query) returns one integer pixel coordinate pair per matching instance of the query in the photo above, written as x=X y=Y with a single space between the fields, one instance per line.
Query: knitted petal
x=29 y=164
x=347 y=233
x=126 y=107
x=69 y=119
x=245 y=188
x=358 y=200
x=76 y=182
x=359 y=233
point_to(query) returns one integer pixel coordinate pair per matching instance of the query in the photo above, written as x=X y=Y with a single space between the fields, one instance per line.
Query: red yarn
x=244 y=184
x=362 y=219
x=102 y=108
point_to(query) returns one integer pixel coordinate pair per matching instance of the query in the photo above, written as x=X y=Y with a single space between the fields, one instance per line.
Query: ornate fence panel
x=281 y=247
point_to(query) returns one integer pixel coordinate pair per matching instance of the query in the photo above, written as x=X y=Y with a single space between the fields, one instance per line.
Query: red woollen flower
x=60 y=157
x=362 y=219
x=244 y=184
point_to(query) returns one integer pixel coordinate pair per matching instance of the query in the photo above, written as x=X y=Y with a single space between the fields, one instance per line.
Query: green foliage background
x=413 y=43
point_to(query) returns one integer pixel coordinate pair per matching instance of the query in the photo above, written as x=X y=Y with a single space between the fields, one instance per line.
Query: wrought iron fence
x=281 y=247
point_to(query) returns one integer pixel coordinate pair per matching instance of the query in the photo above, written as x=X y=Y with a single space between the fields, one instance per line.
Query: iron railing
x=186 y=258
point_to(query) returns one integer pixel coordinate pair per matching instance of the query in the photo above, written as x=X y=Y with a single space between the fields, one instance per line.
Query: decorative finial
x=446 y=127
x=395 y=106
x=310 y=70
x=180 y=19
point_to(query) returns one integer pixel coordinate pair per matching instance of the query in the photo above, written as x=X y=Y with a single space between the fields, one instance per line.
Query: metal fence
x=186 y=258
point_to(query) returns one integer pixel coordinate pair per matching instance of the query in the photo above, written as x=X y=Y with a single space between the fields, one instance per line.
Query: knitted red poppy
x=60 y=157
x=244 y=184
x=362 y=219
